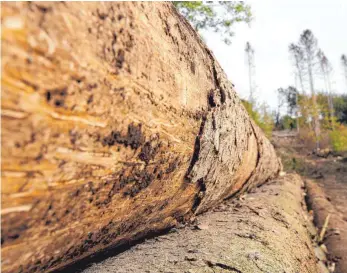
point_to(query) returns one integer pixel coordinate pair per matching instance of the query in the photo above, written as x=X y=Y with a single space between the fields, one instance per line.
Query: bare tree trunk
x=117 y=122
x=250 y=62
x=297 y=114
x=251 y=95
x=327 y=84
x=316 y=123
x=295 y=51
x=300 y=75
x=330 y=102
x=297 y=106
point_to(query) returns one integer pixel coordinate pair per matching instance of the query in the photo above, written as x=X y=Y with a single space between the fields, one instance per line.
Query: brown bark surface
x=266 y=231
x=116 y=122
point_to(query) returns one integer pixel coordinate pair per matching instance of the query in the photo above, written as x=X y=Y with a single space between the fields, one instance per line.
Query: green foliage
x=338 y=138
x=261 y=117
x=327 y=121
x=252 y=113
x=287 y=123
x=293 y=163
x=291 y=93
x=217 y=16
x=340 y=105
x=334 y=127
x=266 y=121
x=297 y=164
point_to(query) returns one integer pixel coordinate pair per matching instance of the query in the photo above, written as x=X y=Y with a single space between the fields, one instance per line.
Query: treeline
x=310 y=105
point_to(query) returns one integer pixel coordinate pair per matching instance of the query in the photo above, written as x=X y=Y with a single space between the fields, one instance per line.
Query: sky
x=276 y=24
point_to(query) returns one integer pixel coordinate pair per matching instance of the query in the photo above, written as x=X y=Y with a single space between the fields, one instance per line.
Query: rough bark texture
x=116 y=122
x=336 y=233
x=266 y=231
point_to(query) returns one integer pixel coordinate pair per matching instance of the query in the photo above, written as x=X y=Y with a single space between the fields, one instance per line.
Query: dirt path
x=263 y=231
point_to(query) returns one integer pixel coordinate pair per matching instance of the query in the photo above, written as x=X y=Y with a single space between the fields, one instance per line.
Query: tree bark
x=116 y=122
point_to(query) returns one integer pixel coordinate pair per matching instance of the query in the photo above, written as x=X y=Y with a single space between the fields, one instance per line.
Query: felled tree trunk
x=116 y=122
x=335 y=236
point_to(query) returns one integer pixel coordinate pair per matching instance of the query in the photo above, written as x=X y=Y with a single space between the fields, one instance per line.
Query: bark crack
x=215 y=77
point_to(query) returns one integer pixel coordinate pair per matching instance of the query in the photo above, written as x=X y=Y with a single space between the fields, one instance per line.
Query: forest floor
x=327 y=175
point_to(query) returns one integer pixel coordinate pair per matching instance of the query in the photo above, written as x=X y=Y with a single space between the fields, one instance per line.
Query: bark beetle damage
x=173 y=165
x=52 y=213
x=134 y=137
x=18 y=226
x=211 y=99
x=150 y=149
x=56 y=97
x=120 y=58
x=128 y=182
x=137 y=178
x=167 y=29
x=115 y=46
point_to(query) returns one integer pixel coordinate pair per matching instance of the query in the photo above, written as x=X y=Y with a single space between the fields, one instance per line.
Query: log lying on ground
x=264 y=232
x=116 y=122
x=335 y=237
